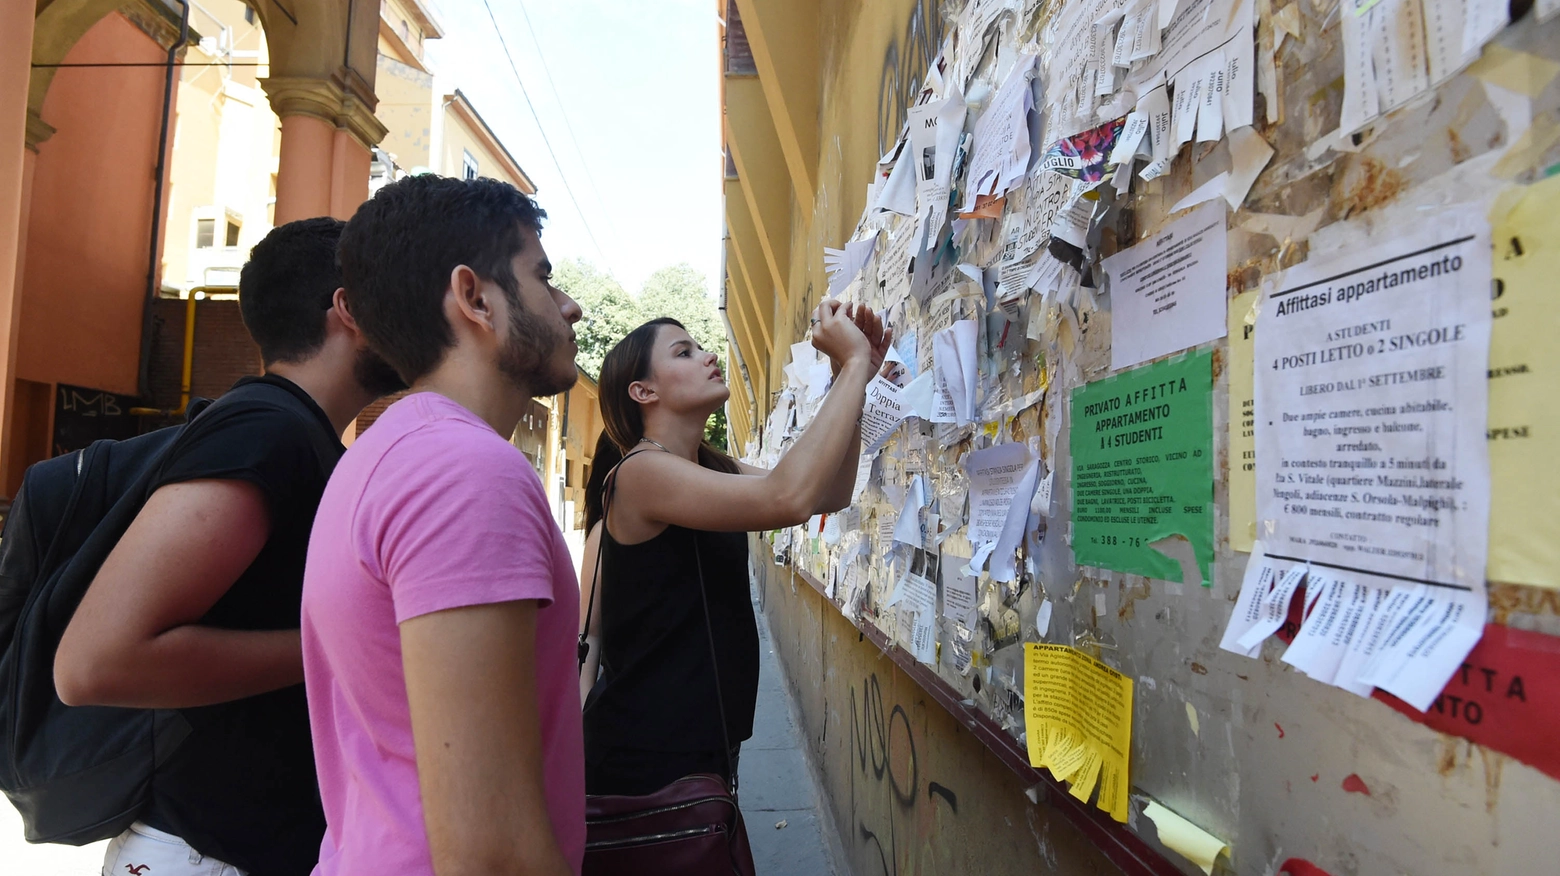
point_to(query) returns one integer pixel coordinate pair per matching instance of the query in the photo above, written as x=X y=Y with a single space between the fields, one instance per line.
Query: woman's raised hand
x=879 y=336
x=836 y=335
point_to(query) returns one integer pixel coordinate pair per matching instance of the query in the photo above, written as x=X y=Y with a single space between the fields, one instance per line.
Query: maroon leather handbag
x=691 y=827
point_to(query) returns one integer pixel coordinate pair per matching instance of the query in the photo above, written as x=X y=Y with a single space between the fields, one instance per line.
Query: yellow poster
x=1078 y=720
x=1243 y=443
x=1524 y=422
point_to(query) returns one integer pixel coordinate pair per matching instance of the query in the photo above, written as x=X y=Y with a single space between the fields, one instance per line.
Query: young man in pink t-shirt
x=440 y=607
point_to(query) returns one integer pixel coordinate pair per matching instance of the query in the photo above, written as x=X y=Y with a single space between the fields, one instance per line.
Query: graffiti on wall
x=904 y=67
x=886 y=764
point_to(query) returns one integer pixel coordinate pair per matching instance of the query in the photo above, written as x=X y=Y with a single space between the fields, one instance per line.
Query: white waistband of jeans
x=150 y=832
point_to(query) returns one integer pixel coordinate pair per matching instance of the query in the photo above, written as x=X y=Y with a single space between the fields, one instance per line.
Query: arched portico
x=321 y=86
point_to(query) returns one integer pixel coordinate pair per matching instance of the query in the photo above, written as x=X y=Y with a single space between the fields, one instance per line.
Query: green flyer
x=1142 y=456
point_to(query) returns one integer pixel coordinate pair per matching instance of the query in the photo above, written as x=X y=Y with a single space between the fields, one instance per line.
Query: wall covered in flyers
x=1218 y=414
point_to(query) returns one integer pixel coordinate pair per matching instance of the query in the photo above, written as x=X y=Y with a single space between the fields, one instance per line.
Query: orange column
x=324 y=163
x=349 y=184
x=16 y=35
x=304 y=168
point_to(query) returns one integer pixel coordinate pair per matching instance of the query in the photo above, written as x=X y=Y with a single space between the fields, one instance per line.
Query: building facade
x=146 y=146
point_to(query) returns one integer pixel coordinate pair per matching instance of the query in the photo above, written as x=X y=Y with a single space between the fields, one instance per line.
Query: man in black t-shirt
x=197 y=607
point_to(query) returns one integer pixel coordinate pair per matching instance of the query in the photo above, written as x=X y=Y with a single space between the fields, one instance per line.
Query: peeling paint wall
x=1272 y=762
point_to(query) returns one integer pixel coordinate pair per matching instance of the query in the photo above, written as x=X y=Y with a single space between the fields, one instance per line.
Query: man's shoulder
x=254 y=435
x=452 y=447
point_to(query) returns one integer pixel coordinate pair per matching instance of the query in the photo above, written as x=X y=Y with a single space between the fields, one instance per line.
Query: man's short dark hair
x=286 y=287
x=398 y=251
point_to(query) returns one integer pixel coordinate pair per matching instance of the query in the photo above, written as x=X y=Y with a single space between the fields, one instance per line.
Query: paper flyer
x=1242 y=434
x=1371 y=391
x=1002 y=481
x=885 y=409
x=1085 y=156
x=1078 y=722
x=1524 y=437
x=1167 y=293
x=1142 y=456
x=1185 y=838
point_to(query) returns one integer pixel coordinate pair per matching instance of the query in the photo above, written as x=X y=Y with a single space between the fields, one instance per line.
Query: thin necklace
x=656 y=443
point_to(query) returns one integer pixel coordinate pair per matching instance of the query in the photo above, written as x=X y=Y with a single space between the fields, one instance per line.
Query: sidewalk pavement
x=778 y=785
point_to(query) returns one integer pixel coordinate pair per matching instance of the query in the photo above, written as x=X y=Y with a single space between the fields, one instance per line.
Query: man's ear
x=343 y=311
x=641 y=393
x=471 y=300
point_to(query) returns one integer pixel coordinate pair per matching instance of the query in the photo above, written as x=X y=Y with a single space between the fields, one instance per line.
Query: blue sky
x=639 y=83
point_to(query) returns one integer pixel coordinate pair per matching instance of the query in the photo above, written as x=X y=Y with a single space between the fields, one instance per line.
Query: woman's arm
x=659 y=488
x=843 y=486
x=590 y=606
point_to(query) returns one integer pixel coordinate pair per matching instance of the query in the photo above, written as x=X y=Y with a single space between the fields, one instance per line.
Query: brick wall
x=224 y=351
x=374 y=409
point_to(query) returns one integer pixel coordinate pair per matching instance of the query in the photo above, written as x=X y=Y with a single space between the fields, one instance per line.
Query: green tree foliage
x=682 y=293
x=610 y=313
x=679 y=292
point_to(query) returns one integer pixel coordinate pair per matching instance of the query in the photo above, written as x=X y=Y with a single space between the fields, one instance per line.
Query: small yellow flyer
x=1078 y=719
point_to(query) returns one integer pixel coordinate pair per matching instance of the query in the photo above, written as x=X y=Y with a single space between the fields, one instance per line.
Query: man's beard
x=375 y=375
x=527 y=358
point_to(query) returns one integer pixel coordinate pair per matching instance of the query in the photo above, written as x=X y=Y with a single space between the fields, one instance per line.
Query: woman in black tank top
x=673 y=546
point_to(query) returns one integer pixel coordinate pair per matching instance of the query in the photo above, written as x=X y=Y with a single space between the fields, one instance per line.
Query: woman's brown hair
x=625 y=423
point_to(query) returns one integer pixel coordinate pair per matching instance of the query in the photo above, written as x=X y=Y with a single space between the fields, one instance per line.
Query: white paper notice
x=1444 y=38
x=1000 y=154
x=929 y=195
x=1484 y=19
x=919 y=396
x=1310 y=650
x=959 y=591
x=1273 y=608
x=1249 y=154
x=884 y=410
x=954 y=358
x=1362 y=641
x=1155 y=103
x=916 y=597
x=863 y=475
x=1167 y=293
x=1259 y=578
x=1240 y=70
x=844 y=265
x=923 y=637
x=1398 y=51
x=1004 y=558
x=1002 y=481
x=1371 y=396
x=1424 y=642
x=1361 y=100
x=908 y=530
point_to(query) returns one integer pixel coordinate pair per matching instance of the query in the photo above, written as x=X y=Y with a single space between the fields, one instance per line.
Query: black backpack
x=82 y=774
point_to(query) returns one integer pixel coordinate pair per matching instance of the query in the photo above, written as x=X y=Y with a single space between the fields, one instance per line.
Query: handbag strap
x=720 y=699
x=609 y=487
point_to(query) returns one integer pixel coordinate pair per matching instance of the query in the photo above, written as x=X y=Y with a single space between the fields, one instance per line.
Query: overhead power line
x=543 y=131
x=569 y=126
